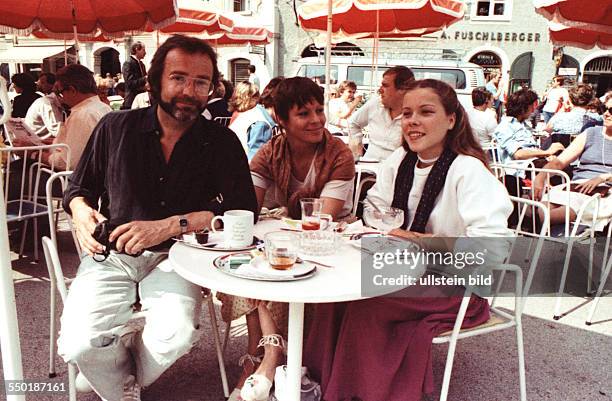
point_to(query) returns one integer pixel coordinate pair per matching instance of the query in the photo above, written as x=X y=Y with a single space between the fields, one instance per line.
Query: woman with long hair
x=440 y=179
x=244 y=113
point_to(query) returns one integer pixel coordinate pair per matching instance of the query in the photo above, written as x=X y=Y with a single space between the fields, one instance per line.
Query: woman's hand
x=554 y=148
x=588 y=186
x=398 y=232
x=538 y=186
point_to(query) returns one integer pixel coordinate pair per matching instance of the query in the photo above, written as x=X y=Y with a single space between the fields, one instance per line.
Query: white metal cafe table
x=337 y=284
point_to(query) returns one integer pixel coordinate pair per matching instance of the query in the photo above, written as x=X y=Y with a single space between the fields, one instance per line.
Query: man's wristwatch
x=183 y=223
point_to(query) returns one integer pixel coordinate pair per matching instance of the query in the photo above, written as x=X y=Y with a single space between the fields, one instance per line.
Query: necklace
x=428 y=161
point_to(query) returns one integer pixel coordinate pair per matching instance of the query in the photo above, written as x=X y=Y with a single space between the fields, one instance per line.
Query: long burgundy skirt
x=379 y=349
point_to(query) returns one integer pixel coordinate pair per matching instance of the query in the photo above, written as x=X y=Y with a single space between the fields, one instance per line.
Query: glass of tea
x=311 y=213
x=281 y=249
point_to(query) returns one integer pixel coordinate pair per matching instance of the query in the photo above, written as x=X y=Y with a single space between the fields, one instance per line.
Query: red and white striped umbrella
x=241 y=35
x=194 y=16
x=84 y=17
x=363 y=18
x=578 y=23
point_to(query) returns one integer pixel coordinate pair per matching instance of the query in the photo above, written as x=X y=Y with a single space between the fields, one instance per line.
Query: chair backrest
x=23 y=177
x=551 y=178
x=540 y=234
x=225 y=121
x=491 y=150
x=54 y=266
x=52 y=211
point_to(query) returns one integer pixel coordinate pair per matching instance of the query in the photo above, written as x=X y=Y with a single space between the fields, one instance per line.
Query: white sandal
x=257 y=387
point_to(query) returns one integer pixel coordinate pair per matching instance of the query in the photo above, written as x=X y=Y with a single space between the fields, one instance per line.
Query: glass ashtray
x=319 y=242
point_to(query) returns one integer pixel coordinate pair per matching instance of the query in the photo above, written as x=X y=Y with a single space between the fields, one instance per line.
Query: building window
x=241 y=5
x=239 y=70
x=491 y=10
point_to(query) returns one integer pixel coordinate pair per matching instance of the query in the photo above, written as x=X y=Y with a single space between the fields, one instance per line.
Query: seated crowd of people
x=160 y=171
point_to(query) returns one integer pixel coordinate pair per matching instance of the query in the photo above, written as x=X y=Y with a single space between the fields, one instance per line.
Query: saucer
x=259 y=269
x=215 y=242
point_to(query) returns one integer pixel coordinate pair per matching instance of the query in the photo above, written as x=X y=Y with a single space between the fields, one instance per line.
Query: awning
x=31 y=54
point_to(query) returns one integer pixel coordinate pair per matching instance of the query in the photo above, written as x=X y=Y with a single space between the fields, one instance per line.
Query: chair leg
x=590 y=268
x=521 y=359
x=23 y=237
x=52 y=328
x=602 y=284
x=605 y=255
x=72 y=393
x=228 y=327
x=452 y=345
x=568 y=255
x=215 y=329
x=36 y=239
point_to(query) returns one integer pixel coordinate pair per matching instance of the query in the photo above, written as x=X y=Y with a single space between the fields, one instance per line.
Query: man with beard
x=156 y=172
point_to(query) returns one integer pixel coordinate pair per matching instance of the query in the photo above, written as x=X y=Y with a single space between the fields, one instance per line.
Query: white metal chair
x=499 y=320
x=491 y=150
x=56 y=274
x=604 y=278
x=52 y=215
x=24 y=167
x=225 y=121
x=570 y=232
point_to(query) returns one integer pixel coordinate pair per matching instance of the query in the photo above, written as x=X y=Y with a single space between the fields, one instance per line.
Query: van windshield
x=317 y=73
x=362 y=75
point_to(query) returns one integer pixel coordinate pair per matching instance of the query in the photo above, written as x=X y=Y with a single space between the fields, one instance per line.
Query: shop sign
x=568 y=71
x=493 y=36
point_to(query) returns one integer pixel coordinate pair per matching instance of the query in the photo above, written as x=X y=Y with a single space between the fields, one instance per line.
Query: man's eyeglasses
x=60 y=92
x=201 y=86
x=608 y=109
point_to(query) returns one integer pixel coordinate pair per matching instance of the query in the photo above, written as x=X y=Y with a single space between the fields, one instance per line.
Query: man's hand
x=85 y=219
x=588 y=186
x=555 y=147
x=136 y=236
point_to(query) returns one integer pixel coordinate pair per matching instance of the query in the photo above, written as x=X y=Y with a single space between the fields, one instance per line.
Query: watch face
x=183 y=222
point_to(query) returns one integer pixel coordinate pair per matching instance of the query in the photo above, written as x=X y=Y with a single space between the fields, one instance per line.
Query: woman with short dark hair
x=303 y=161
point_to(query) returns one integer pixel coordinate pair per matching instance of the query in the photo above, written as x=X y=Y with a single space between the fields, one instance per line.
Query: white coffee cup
x=237 y=228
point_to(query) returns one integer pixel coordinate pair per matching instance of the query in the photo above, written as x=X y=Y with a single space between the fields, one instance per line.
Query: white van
x=462 y=76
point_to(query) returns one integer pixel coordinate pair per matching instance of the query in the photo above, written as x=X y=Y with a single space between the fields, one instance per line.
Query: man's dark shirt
x=219 y=108
x=123 y=164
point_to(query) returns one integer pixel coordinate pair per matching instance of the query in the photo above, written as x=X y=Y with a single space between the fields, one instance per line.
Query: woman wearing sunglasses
x=593 y=148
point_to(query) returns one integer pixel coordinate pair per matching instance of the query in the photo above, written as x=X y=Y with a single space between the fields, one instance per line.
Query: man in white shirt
x=45 y=114
x=382 y=116
x=482 y=117
x=76 y=87
x=254 y=79
x=556 y=97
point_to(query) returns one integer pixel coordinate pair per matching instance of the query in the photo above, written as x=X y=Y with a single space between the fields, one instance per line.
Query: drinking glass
x=281 y=249
x=385 y=218
x=311 y=213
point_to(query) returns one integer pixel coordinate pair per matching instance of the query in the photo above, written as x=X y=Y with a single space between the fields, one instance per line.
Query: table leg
x=294 y=352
